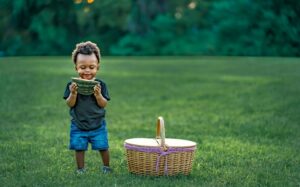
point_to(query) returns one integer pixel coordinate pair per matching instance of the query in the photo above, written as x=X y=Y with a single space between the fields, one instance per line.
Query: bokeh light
x=90 y=1
x=77 y=1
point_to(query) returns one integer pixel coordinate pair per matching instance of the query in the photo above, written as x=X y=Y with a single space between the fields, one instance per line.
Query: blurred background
x=151 y=27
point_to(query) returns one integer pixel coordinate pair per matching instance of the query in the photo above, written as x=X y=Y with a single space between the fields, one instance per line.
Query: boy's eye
x=82 y=67
x=92 y=67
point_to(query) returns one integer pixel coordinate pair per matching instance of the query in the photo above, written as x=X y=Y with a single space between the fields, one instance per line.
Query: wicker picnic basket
x=159 y=156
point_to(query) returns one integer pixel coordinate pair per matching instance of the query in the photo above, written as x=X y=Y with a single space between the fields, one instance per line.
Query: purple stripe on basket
x=161 y=152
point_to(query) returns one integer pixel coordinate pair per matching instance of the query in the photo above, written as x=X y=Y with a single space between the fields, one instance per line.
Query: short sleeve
x=67 y=91
x=104 y=91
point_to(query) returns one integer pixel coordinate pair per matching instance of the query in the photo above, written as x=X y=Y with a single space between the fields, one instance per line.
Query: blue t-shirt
x=86 y=113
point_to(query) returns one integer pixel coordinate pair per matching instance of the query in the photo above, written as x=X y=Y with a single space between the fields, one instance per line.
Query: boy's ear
x=75 y=67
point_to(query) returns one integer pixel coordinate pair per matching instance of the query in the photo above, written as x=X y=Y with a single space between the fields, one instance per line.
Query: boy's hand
x=97 y=90
x=73 y=88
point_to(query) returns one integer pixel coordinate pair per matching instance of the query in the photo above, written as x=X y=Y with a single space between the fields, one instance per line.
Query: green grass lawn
x=244 y=114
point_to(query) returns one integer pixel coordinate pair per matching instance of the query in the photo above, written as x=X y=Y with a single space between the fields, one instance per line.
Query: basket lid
x=152 y=142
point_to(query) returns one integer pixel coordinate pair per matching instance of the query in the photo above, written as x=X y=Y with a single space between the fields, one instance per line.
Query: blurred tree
x=151 y=27
x=37 y=27
x=160 y=27
x=219 y=27
x=245 y=27
x=103 y=22
x=53 y=27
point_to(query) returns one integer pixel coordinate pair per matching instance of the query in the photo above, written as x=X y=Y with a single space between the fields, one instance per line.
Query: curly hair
x=86 y=48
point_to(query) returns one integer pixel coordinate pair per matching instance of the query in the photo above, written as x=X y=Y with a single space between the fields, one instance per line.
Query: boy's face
x=87 y=66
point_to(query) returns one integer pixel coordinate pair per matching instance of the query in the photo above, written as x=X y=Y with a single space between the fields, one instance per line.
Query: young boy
x=87 y=112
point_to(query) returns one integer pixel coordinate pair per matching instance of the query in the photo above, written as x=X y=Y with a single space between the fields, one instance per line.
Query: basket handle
x=160 y=131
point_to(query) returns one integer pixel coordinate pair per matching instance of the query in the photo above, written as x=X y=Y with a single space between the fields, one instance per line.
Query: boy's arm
x=101 y=101
x=71 y=100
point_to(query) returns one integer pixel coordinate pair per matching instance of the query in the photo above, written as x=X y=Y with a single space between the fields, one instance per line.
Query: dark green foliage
x=239 y=27
x=152 y=27
x=34 y=28
x=246 y=27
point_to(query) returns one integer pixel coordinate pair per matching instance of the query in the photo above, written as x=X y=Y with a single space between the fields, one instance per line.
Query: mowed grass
x=244 y=114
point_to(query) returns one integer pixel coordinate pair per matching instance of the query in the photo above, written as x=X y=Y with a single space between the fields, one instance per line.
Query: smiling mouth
x=87 y=76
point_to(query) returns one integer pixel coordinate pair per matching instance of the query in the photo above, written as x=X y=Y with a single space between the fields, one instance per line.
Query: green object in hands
x=85 y=87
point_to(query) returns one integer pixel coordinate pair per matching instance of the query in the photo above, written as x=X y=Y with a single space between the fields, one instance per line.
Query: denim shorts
x=79 y=139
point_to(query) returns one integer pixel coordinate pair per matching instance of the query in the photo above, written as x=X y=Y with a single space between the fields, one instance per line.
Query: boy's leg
x=79 y=155
x=78 y=143
x=105 y=157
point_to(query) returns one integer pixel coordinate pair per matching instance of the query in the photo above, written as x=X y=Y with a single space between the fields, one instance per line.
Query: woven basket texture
x=162 y=159
x=144 y=163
